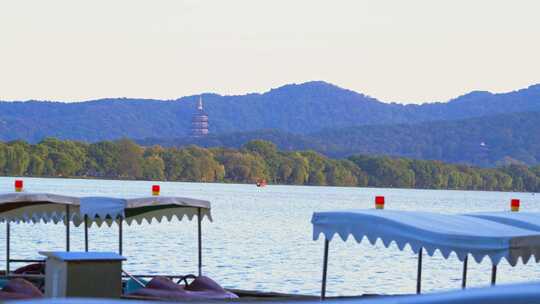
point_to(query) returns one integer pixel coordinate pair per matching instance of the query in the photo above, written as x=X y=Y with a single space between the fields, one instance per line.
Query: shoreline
x=269 y=185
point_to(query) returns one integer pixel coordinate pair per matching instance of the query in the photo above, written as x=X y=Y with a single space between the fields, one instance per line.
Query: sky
x=410 y=51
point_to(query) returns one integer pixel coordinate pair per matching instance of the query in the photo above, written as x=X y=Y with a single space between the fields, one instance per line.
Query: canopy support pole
x=419 y=272
x=86 y=233
x=67 y=227
x=8 y=241
x=325 y=269
x=120 y=235
x=464 y=276
x=199 y=238
x=493 y=274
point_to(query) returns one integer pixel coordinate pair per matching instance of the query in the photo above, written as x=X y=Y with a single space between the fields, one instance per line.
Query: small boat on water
x=261 y=182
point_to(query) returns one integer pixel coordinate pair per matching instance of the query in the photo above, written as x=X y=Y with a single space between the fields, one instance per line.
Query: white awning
x=97 y=209
x=460 y=234
x=106 y=209
x=35 y=207
x=525 y=220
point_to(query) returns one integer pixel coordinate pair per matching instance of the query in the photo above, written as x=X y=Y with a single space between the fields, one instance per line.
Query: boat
x=261 y=183
x=24 y=207
x=464 y=235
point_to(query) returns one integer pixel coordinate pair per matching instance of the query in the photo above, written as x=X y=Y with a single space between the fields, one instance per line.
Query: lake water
x=261 y=238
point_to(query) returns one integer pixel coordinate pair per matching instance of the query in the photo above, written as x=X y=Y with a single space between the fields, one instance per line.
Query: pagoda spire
x=200 y=105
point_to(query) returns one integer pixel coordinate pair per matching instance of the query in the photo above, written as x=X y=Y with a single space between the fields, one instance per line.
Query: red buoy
x=514 y=205
x=18 y=185
x=155 y=190
x=379 y=202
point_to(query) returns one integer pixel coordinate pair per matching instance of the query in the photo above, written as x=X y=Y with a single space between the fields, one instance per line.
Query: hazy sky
x=407 y=51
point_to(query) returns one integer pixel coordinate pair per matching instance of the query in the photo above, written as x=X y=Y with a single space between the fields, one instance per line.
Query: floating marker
x=18 y=185
x=514 y=205
x=379 y=202
x=155 y=190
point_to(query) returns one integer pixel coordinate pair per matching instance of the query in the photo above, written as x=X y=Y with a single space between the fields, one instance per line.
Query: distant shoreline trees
x=123 y=159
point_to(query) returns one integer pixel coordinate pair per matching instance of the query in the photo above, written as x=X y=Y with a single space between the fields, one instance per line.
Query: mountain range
x=479 y=128
x=484 y=141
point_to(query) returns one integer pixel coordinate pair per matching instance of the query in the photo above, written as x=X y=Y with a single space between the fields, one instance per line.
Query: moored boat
x=464 y=235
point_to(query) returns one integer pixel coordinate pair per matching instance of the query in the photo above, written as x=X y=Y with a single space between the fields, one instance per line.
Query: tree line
x=257 y=159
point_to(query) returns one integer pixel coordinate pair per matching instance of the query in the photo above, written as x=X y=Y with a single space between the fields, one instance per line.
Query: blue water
x=261 y=238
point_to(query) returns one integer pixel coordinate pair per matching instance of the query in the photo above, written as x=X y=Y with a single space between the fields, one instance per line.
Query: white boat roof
x=525 y=220
x=105 y=209
x=34 y=207
x=47 y=207
x=460 y=234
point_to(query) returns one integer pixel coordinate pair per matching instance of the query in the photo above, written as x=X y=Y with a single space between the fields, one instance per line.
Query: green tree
x=130 y=161
x=17 y=159
x=153 y=168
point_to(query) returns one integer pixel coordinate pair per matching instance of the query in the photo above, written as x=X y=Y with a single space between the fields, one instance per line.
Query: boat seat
x=202 y=287
x=20 y=289
x=35 y=268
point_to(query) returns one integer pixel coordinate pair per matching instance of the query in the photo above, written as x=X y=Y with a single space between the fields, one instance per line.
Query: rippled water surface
x=261 y=238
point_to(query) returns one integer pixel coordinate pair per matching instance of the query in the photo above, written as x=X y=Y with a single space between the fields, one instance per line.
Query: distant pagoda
x=199 y=121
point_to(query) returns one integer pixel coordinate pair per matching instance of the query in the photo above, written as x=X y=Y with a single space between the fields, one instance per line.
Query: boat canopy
x=525 y=220
x=35 y=207
x=47 y=207
x=106 y=209
x=460 y=234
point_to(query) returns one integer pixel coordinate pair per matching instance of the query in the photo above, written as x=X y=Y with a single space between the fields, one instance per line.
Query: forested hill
x=123 y=159
x=485 y=141
x=299 y=109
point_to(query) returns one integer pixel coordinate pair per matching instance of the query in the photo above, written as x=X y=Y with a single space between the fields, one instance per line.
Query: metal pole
x=199 y=236
x=120 y=235
x=67 y=227
x=419 y=273
x=325 y=269
x=8 y=259
x=464 y=277
x=493 y=274
x=86 y=233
